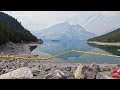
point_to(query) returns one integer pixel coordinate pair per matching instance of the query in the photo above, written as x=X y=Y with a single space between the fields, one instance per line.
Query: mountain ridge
x=59 y=30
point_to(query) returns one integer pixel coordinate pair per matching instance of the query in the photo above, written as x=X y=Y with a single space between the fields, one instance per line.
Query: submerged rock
x=20 y=73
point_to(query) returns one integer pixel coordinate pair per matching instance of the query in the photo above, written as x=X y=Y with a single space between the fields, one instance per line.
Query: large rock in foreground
x=21 y=73
x=78 y=73
x=91 y=71
x=87 y=72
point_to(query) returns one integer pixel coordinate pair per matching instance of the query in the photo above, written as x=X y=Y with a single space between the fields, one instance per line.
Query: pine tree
x=12 y=30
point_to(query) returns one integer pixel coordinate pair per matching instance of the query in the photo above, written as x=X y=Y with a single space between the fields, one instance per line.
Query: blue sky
x=96 y=22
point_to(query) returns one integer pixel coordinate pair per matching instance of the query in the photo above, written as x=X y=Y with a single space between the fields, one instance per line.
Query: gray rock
x=91 y=71
x=36 y=55
x=36 y=73
x=23 y=72
x=1 y=69
x=2 y=53
x=39 y=77
x=100 y=76
x=104 y=75
x=67 y=68
x=2 y=72
x=69 y=75
x=6 y=70
x=57 y=74
x=47 y=69
x=105 y=68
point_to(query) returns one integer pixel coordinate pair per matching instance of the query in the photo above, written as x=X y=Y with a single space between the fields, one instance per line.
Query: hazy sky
x=93 y=21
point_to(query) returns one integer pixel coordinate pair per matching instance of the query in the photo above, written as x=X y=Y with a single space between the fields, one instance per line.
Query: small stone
x=1 y=53
x=2 y=72
x=17 y=61
x=36 y=55
x=1 y=69
x=67 y=68
x=105 y=68
x=69 y=75
x=47 y=69
x=49 y=76
x=36 y=73
x=39 y=77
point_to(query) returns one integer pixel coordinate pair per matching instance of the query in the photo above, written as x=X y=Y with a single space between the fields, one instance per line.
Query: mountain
x=12 y=30
x=113 y=36
x=64 y=30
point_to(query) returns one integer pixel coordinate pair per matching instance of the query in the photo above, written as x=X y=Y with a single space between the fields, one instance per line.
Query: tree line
x=12 y=30
x=112 y=37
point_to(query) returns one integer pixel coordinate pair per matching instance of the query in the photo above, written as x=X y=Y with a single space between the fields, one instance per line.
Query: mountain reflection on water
x=56 y=47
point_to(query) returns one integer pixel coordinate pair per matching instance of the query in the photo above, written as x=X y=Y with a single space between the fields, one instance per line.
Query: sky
x=97 y=22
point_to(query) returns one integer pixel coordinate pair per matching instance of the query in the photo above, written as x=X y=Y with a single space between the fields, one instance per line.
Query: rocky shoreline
x=17 y=69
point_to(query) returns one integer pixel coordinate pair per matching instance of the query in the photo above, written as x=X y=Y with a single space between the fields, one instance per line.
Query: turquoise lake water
x=55 y=47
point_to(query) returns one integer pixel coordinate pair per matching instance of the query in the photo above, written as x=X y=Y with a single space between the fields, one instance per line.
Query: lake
x=54 y=47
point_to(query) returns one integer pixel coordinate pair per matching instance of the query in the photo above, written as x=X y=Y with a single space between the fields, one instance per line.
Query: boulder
x=91 y=71
x=78 y=72
x=57 y=74
x=20 y=73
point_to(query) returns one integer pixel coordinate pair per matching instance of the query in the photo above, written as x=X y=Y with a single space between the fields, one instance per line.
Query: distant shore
x=104 y=44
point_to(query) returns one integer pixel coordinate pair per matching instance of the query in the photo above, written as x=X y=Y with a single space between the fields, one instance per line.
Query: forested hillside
x=113 y=36
x=12 y=30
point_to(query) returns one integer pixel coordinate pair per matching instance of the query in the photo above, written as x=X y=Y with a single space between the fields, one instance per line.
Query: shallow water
x=49 y=48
